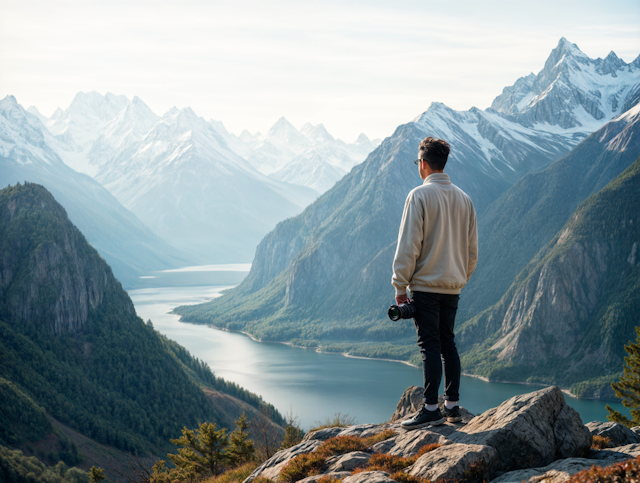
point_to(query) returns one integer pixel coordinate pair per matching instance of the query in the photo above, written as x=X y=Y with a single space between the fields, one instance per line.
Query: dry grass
x=624 y=472
x=601 y=442
x=402 y=477
x=312 y=463
x=329 y=479
x=393 y=463
x=236 y=475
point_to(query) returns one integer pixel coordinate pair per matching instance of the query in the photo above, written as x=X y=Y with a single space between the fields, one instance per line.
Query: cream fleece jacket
x=438 y=240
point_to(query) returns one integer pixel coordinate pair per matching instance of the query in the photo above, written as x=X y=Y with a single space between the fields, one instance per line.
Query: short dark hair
x=435 y=152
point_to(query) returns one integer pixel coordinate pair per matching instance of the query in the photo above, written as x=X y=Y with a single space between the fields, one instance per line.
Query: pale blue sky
x=356 y=66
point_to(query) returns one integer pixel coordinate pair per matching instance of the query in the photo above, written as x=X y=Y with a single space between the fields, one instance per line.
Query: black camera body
x=402 y=311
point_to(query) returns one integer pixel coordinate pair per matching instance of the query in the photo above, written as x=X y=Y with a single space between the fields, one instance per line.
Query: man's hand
x=402 y=299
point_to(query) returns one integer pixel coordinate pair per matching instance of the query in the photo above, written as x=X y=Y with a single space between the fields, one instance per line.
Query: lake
x=314 y=386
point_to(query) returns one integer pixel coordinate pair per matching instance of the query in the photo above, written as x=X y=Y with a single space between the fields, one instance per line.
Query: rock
x=359 y=429
x=347 y=462
x=272 y=467
x=410 y=402
x=380 y=428
x=333 y=476
x=451 y=462
x=557 y=472
x=636 y=429
x=618 y=433
x=615 y=454
x=322 y=434
x=528 y=431
x=409 y=443
x=369 y=477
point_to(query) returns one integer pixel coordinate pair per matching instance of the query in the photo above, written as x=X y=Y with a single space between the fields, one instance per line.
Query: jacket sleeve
x=473 y=243
x=410 y=240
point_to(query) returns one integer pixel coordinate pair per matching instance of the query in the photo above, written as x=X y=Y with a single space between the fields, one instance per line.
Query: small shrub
x=389 y=463
x=376 y=438
x=426 y=449
x=301 y=466
x=402 y=477
x=339 y=420
x=625 y=471
x=262 y=479
x=475 y=473
x=236 y=475
x=329 y=479
x=601 y=442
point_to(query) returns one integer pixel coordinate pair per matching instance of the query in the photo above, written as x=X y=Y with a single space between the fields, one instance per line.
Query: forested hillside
x=570 y=311
x=74 y=350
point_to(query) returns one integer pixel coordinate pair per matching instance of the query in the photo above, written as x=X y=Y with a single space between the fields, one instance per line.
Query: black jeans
x=435 y=318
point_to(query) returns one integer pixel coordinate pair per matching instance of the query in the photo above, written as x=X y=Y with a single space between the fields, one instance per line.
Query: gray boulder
x=272 y=467
x=618 y=433
x=454 y=461
x=636 y=429
x=557 y=472
x=369 y=477
x=347 y=462
x=411 y=401
x=409 y=443
x=528 y=431
x=322 y=434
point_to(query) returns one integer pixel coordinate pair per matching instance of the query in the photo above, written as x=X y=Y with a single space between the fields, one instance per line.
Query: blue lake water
x=314 y=386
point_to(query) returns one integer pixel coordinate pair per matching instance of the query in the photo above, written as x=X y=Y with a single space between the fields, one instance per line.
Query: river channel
x=312 y=385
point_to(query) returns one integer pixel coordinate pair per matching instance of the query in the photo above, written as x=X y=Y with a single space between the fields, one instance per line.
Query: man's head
x=433 y=153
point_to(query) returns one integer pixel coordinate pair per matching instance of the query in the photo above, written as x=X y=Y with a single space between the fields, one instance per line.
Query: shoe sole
x=437 y=422
x=454 y=420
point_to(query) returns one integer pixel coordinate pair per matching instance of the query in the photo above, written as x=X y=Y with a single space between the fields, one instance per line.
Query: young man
x=437 y=252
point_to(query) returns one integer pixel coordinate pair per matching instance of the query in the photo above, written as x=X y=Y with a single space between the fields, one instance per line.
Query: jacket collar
x=440 y=178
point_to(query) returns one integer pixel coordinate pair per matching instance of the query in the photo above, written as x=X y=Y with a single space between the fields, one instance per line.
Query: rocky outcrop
x=618 y=434
x=411 y=401
x=534 y=437
x=455 y=462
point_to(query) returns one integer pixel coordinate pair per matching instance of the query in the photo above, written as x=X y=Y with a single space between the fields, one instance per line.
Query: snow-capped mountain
x=28 y=152
x=310 y=157
x=538 y=119
x=77 y=128
x=182 y=179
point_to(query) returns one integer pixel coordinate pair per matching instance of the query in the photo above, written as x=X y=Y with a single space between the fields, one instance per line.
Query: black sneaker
x=423 y=418
x=452 y=415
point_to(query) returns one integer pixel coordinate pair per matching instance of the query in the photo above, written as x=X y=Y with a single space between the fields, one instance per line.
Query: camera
x=402 y=311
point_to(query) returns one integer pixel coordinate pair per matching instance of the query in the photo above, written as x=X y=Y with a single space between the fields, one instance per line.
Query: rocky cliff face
x=569 y=313
x=48 y=274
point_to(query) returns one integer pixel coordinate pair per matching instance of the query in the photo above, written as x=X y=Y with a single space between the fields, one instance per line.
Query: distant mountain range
x=28 y=153
x=323 y=277
x=202 y=189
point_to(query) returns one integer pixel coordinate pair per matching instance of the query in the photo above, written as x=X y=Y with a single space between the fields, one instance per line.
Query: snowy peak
x=572 y=91
x=284 y=132
x=33 y=110
x=56 y=114
x=317 y=135
x=362 y=139
x=247 y=137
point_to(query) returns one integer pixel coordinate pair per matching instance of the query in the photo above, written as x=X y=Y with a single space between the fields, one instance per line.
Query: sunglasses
x=417 y=161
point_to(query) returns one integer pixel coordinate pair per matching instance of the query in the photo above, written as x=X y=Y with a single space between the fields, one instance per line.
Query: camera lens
x=394 y=313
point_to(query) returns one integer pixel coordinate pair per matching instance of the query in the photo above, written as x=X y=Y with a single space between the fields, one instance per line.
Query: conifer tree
x=203 y=450
x=96 y=474
x=628 y=388
x=241 y=449
x=292 y=432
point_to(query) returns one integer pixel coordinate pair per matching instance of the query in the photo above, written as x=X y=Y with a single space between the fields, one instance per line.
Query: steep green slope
x=566 y=317
x=70 y=340
x=519 y=223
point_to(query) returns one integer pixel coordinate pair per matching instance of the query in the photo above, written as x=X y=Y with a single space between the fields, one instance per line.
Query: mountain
x=28 y=152
x=323 y=277
x=79 y=125
x=76 y=358
x=179 y=176
x=568 y=314
x=310 y=157
x=519 y=223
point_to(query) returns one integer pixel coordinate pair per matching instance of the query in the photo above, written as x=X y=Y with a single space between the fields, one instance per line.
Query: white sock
x=450 y=404
x=431 y=407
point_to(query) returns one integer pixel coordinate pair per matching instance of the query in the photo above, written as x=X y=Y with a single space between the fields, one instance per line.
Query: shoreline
x=345 y=354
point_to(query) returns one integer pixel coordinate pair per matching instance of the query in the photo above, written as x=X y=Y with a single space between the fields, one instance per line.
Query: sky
x=355 y=66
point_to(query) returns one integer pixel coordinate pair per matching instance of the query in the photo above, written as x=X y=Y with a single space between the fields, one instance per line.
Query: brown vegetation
x=624 y=472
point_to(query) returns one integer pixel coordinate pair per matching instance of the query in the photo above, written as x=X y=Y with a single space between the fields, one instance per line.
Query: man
x=437 y=252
